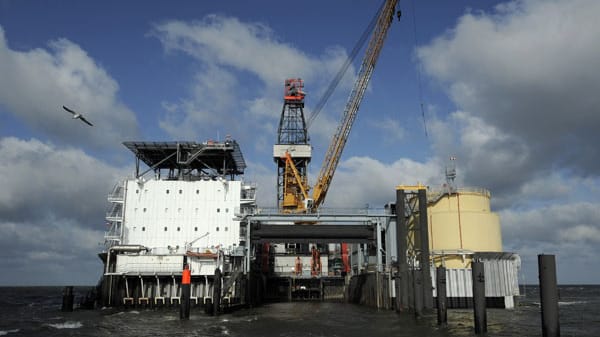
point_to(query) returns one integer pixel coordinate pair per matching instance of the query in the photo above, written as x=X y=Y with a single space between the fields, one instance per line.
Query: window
x=226 y=228
x=167 y=191
x=195 y=229
x=197 y=191
x=226 y=210
x=137 y=191
x=166 y=210
x=144 y=209
x=180 y=191
x=178 y=229
x=217 y=229
x=165 y=228
x=143 y=229
x=218 y=210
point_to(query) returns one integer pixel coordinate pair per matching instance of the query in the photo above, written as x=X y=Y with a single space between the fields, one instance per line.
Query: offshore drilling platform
x=191 y=209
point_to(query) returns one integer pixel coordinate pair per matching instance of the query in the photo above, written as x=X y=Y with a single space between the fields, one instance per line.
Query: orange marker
x=186 y=275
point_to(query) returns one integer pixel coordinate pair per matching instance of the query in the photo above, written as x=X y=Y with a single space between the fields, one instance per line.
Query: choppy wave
x=6 y=332
x=537 y=304
x=571 y=302
x=67 y=325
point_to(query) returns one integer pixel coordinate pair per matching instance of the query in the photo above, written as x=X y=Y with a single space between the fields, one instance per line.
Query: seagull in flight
x=77 y=115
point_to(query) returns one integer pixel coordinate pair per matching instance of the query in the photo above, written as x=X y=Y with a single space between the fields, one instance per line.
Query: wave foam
x=67 y=325
x=572 y=302
x=6 y=332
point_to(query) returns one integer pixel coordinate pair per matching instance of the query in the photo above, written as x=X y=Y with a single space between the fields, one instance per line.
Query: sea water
x=35 y=311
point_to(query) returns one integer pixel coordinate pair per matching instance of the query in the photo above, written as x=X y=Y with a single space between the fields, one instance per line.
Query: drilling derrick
x=292 y=153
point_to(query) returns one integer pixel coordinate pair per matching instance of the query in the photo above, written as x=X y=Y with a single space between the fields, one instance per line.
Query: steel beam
x=311 y=234
x=289 y=219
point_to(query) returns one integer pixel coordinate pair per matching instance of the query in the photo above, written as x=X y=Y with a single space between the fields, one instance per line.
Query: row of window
x=195 y=229
x=179 y=210
x=168 y=191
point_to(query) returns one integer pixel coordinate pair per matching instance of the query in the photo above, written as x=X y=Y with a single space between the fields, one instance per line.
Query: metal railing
x=329 y=211
x=433 y=196
x=115 y=213
x=118 y=193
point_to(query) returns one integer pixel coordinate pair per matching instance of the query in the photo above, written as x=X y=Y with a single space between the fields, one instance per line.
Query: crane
x=295 y=185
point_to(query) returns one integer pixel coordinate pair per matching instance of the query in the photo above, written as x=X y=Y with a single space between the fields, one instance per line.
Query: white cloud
x=549 y=223
x=56 y=250
x=209 y=107
x=239 y=86
x=35 y=84
x=570 y=231
x=52 y=210
x=358 y=181
x=525 y=79
x=251 y=47
x=363 y=180
x=40 y=179
x=549 y=188
x=530 y=72
x=265 y=177
x=581 y=233
x=486 y=156
x=390 y=129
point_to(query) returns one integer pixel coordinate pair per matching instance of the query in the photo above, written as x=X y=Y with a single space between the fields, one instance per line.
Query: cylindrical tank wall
x=463 y=222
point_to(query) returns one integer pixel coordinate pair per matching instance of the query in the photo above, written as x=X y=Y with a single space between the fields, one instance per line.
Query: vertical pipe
x=379 y=247
x=424 y=258
x=398 y=303
x=137 y=166
x=67 y=300
x=479 y=297
x=107 y=261
x=548 y=295
x=107 y=285
x=440 y=281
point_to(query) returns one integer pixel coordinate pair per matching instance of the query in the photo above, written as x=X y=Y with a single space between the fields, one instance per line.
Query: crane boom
x=334 y=152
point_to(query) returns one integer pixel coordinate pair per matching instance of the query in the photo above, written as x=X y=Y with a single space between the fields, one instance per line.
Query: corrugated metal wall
x=501 y=277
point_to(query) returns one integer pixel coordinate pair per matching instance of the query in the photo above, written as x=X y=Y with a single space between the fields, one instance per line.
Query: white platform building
x=180 y=210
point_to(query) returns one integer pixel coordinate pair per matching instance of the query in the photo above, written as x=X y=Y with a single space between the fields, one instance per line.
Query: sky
x=509 y=88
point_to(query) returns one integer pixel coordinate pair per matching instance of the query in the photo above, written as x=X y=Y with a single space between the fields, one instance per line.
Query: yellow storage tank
x=460 y=223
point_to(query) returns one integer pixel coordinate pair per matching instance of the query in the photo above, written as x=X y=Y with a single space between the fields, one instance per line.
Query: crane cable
x=340 y=74
x=419 y=72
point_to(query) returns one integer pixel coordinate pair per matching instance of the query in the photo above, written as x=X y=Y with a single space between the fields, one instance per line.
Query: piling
x=479 y=297
x=548 y=295
x=184 y=305
x=440 y=286
x=67 y=300
x=418 y=293
x=401 y=234
x=426 y=289
x=216 y=303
